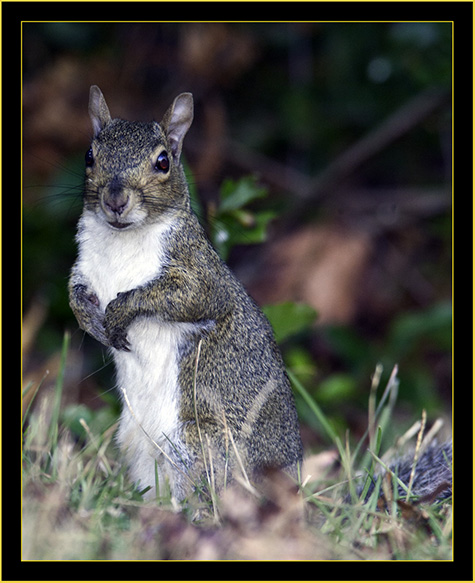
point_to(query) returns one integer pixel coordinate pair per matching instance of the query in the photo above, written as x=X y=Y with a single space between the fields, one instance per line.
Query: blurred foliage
x=233 y=223
x=288 y=319
x=411 y=337
x=275 y=105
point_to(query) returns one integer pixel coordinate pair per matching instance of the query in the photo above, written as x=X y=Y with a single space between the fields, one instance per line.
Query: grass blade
x=58 y=391
x=329 y=430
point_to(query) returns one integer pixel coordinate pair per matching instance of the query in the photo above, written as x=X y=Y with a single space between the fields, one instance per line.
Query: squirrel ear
x=98 y=110
x=176 y=122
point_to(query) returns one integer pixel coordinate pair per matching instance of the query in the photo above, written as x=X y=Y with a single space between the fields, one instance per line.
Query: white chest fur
x=117 y=261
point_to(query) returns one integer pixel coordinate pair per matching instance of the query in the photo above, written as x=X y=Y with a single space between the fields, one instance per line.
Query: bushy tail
x=432 y=477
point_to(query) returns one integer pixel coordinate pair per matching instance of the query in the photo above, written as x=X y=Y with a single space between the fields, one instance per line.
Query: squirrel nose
x=116 y=199
x=117 y=204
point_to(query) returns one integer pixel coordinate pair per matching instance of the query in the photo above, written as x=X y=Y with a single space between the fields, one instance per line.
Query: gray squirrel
x=204 y=387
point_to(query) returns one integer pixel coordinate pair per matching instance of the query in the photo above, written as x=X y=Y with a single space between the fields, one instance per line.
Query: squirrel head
x=133 y=170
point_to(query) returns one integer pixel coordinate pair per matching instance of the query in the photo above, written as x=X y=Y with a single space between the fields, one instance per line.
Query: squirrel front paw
x=118 y=339
x=86 y=307
x=116 y=323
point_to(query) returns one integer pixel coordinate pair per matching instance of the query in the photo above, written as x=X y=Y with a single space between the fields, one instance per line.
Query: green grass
x=79 y=505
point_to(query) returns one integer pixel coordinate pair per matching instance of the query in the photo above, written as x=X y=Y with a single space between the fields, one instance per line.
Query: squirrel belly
x=150 y=428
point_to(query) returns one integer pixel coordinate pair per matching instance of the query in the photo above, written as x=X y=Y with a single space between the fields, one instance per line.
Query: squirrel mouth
x=117 y=225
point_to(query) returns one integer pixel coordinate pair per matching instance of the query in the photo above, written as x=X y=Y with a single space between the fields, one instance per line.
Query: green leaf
x=289 y=318
x=237 y=194
x=232 y=223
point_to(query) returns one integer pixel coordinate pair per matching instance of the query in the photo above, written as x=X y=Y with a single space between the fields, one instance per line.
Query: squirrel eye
x=89 y=158
x=162 y=162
